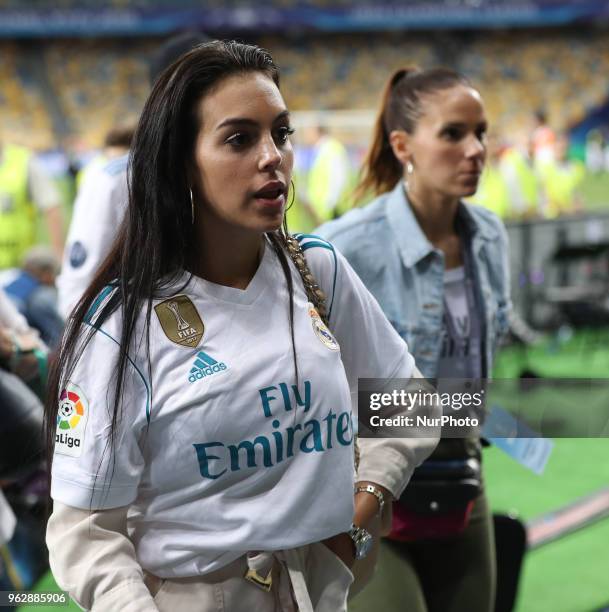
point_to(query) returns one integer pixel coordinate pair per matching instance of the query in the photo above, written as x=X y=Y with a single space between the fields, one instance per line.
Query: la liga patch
x=72 y=416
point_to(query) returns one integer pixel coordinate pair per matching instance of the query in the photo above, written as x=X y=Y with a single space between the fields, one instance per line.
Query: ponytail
x=399 y=110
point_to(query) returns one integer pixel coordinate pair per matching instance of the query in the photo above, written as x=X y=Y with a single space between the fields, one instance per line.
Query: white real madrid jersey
x=98 y=211
x=221 y=449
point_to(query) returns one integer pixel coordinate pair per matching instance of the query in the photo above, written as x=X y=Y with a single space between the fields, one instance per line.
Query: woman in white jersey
x=200 y=409
x=439 y=269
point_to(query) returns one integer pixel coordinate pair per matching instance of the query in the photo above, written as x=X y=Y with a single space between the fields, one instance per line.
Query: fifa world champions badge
x=321 y=330
x=72 y=416
x=180 y=321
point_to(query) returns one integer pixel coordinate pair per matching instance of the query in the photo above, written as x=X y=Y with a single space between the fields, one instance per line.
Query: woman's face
x=243 y=154
x=448 y=146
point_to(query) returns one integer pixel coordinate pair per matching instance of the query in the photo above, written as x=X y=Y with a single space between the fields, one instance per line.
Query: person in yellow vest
x=322 y=180
x=492 y=190
x=525 y=191
x=509 y=185
x=543 y=139
x=561 y=180
x=25 y=191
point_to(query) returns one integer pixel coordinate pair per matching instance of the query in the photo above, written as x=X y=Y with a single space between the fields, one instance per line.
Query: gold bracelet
x=373 y=491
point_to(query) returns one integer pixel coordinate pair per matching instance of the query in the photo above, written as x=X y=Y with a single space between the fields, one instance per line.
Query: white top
x=98 y=212
x=42 y=188
x=461 y=353
x=10 y=317
x=455 y=296
x=220 y=452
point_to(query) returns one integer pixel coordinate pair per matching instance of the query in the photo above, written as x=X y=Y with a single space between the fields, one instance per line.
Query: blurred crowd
x=53 y=88
x=531 y=175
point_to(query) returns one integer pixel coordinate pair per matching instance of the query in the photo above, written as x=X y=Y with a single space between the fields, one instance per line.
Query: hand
x=6 y=344
x=27 y=365
x=27 y=368
x=366 y=516
x=342 y=546
x=28 y=341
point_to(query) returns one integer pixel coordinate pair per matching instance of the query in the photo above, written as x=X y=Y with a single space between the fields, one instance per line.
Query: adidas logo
x=205 y=365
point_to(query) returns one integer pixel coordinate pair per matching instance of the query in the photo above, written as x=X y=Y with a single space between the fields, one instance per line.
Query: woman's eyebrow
x=453 y=124
x=461 y=125
x=244 y=121
x=237 y=121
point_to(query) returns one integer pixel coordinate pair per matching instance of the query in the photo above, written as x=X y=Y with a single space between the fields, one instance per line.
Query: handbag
x=438 y=500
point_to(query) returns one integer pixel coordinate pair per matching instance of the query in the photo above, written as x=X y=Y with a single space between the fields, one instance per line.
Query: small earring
x=409 y=168
x=192 y=207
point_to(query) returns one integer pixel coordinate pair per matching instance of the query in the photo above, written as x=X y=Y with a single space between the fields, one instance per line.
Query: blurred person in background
x=526 y=197
x=23 y=367
x=322 y=180
x=116 y=144
x=26 y=192
x=595 y=155
x=492 y=192
x=439 y=269
x=18 y=341
x=543 y=139
x=605 y=140
x=32 y=289
x=98 y=211
x=23 y=555
x=131 y=397
x=561 y=180
x=102 y=198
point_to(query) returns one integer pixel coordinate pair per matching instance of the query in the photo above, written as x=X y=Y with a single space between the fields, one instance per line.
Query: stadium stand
x=160 y=4
x=517 y=71
x=98 y=79
x=23 y=114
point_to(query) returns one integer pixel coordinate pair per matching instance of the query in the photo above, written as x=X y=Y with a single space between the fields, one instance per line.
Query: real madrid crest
x=180 y=321
x=321 y=330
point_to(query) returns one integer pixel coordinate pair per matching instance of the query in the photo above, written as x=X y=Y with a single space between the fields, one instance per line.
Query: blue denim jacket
x=386 y=247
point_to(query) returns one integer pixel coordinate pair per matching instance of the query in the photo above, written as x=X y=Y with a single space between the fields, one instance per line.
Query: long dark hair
x=400 y=109
x=157 y=240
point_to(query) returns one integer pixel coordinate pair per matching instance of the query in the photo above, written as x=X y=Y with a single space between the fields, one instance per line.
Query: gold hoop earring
x=291 y=202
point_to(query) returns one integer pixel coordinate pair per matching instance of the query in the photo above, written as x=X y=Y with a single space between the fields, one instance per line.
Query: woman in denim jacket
x=439 y=269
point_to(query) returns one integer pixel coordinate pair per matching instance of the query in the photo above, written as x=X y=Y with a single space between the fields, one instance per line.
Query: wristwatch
x=362 y=541
x=373 y=491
